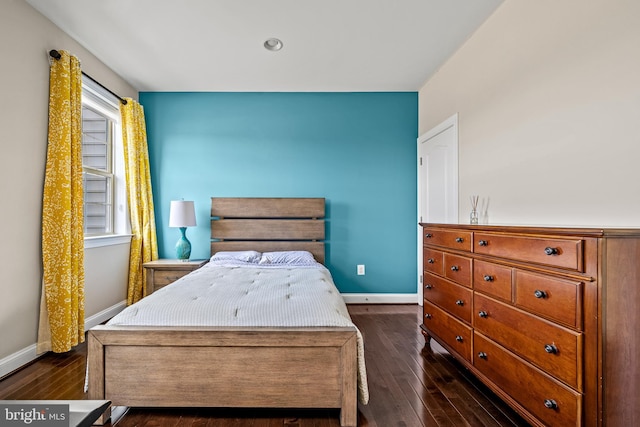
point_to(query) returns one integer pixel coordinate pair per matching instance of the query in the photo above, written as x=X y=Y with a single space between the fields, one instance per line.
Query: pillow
x=244 y=256
x=287 y=257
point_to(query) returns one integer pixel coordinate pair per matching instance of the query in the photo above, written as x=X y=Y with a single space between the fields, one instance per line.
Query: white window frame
x=98 y=99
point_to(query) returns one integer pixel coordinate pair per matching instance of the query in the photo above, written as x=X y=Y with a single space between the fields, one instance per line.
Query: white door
x=437 y=179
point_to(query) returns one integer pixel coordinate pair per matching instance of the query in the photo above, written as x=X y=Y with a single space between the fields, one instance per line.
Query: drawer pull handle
x=427 y=316
x=551 y=349
x=460 y=302
x=483 y=243
x=551 y=251
x=539 y=294
x=459 y=338
x=488 y=278
x=482 y=355
x=428 y=235
x=428 y=286
x=431 y=261
x=483 y=314
x=550 y=404
x=455 y=268
x=459 y=240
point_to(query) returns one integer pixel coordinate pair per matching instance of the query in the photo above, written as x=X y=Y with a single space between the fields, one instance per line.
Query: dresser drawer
x=165 y=277
x=562 y=253
x=458 y=268
x=554 y=298
x=453 y=239
x=451 y=297
x=162 y=272
x=492 y=279
x=433 y=261
x=545 y=344
x=550 y=401
x=448 y=329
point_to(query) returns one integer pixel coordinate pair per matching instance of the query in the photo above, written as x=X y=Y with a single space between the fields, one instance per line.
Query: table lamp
x=182 y=215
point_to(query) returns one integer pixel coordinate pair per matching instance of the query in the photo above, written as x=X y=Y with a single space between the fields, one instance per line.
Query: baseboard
x=28 y=354
x=380 y=298
x=17 y=359
x=104 y=315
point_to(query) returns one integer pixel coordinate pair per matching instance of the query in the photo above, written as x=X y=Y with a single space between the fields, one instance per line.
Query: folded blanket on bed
x=238 y=294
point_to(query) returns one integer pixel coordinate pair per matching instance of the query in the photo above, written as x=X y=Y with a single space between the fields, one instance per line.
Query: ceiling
x=217 y=45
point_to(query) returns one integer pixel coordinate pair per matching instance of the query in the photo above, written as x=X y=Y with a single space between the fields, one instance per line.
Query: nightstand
x=161 y=272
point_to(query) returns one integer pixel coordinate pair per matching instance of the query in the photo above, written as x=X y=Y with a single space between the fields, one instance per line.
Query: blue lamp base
x=183 y=247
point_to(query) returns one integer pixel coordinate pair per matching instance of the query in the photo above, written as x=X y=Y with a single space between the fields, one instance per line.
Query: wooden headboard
x=268 y=224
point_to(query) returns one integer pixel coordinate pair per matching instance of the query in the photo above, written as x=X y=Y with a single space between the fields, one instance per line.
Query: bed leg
x=95 y=370
x=347 y=419
x=349 y=409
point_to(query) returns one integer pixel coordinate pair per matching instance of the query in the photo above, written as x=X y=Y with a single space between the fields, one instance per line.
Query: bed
x=253 y=365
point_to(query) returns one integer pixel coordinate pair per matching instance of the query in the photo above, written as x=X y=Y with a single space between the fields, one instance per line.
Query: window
x=101 y=142
x=97 y=133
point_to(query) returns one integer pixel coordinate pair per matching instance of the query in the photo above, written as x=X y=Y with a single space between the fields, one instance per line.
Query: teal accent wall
x=358 y=150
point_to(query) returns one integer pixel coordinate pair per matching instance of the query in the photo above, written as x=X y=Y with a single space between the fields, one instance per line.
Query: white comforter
x=220 y=294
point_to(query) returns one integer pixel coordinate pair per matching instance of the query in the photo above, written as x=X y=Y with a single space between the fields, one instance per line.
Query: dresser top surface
x=541 y=229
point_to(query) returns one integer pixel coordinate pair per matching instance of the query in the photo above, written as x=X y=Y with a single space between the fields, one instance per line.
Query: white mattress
x=221 y=294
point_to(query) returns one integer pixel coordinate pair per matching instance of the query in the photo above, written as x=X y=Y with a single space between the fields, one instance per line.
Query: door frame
x=450 y=123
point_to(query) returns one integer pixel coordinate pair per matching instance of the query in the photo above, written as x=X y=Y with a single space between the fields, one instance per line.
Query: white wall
x=106 y=274
x=548 y=96
x=24 y=83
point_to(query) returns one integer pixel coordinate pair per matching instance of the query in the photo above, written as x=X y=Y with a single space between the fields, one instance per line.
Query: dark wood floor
x=410 y=385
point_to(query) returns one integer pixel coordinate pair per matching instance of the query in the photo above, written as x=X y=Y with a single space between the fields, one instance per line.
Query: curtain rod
x=56 y=55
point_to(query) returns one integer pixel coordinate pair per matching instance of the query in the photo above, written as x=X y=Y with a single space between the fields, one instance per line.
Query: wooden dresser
x=548 y=318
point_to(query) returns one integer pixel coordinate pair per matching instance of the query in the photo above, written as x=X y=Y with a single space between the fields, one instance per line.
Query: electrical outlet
x=360 y=269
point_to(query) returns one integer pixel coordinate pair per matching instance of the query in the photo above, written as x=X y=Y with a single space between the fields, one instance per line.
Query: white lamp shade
x=182 y=214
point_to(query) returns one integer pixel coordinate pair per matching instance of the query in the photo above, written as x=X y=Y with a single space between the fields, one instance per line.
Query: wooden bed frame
x=234 y=367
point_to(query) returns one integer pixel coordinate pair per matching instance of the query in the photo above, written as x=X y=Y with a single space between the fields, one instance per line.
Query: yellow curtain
x=62 y=314
x=144 y=246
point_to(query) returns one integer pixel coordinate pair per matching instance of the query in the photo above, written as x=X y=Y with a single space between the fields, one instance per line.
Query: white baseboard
x=380 y=298
x=28 y=354
x=106 y=314
x=17 y=359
